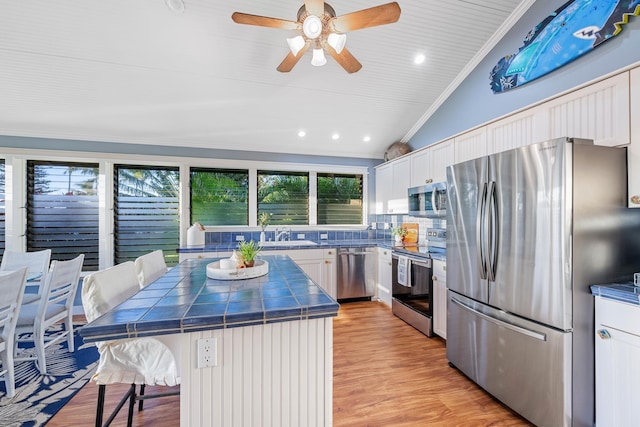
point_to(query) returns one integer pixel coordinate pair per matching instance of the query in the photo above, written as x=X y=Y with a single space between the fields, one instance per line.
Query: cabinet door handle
x=434 y=278
x=327 y=261
x=604 y=334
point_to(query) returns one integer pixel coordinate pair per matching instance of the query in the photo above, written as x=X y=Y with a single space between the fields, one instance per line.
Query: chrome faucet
x=283 y=235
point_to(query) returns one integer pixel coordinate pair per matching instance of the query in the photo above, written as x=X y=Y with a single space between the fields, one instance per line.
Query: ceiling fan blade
x=365 y=18
x=345 y=59
x=291 y=60
x=264 y=21
x=314 y=7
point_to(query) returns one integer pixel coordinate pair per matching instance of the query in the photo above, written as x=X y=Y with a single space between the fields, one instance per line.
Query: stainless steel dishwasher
x=356 y=273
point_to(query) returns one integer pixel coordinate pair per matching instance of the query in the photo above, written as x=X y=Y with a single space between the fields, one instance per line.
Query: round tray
x=260 y=268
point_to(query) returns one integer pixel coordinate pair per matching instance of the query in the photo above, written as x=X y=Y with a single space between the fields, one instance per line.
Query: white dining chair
x=54 y=306
x=37 y=263
x=134 y=361
x=150 y=267
x=12 y=284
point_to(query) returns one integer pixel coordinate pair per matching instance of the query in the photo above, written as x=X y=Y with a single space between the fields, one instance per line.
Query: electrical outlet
x=300 y=236
x=207 y=352
x=324 y=236
x=240 y=238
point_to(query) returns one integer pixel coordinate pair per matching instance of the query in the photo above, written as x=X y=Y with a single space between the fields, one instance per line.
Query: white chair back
x=55 y=305
x=37 y=264
x=103 y=290
x=12 y=285
x=150 y=267
x=62 y=284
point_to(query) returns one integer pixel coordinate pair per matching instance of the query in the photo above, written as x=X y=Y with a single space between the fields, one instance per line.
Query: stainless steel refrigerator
x=528 y=230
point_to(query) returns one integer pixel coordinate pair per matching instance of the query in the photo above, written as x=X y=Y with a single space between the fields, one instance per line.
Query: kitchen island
x=270 y=338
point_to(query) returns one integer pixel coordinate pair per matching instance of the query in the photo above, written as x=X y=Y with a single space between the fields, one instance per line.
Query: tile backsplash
x=379 y=229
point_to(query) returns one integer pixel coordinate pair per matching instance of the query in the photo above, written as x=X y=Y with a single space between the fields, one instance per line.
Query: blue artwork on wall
x=576 y=28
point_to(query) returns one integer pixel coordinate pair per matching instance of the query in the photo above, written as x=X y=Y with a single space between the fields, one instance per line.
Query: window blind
x=284 y=195
x=219 y=196
x=146 y=212
x=339 y=199
x=62 y=210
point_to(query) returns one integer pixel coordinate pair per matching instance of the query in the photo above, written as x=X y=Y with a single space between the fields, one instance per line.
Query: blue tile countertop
x=186 y=300
x=624 y=292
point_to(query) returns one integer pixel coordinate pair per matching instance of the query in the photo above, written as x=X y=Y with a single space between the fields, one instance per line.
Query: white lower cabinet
x=384 y=276
x=440 y=298
x=320 y=266
x=617 y=342
x=201 y=255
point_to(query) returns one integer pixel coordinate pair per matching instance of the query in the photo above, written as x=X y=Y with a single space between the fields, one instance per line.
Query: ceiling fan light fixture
x=312 y=27
x=337 y=41
x=318 y=58
x=295 y=44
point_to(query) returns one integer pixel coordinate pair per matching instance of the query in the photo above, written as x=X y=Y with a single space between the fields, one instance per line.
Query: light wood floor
x=385 y=374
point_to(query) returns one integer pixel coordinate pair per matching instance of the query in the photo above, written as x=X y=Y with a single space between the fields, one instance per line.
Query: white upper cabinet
x=442 y=155
x=399 y=203
x=599 y=112
x=384 y=176
x=392 y=181
x=518 y=130
x=420 y=167
x=471 y=145
x=634 y=147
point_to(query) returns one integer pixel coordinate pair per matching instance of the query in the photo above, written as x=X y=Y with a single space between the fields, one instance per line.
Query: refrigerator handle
x=482 y=264
x=492 y=231
x=434 y=201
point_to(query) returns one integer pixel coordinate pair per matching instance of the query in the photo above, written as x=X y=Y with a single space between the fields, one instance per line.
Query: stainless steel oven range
x=412 y=298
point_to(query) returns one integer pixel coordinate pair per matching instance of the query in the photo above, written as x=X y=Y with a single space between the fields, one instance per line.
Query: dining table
x=250 y=350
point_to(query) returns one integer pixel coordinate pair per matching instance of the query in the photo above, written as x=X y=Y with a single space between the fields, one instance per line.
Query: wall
x=473 y=103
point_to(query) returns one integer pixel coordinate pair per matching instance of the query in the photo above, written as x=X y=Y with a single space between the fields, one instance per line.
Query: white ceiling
x=133 y=71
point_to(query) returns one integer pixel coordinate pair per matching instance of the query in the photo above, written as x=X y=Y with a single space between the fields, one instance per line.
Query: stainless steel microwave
x=429 y=201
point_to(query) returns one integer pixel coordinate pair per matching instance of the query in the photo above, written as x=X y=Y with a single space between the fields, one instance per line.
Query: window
x=339 y=199
x=219 y=196
x=62 y=210
x=284 y=195
x=146 y=216
x=2 y=217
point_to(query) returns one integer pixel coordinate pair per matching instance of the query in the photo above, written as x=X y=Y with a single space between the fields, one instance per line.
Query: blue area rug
x=39 y=397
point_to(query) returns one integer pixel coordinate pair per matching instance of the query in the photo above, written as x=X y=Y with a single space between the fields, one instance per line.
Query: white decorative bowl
x=260 y=268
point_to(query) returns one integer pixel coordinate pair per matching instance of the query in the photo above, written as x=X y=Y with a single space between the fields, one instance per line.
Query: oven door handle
x=420 y=263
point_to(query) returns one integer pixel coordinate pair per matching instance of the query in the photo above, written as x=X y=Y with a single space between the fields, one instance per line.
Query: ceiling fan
x=323 y=31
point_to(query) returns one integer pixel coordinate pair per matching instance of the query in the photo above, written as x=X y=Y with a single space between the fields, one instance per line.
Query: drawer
x=618 y=315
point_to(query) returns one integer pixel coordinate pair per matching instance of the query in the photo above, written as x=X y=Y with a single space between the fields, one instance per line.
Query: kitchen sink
x=288 y=243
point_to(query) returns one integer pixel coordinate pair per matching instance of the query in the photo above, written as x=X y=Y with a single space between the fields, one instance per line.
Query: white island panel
x=278 y=374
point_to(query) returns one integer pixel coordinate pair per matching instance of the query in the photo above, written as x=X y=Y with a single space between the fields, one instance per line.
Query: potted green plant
x=249 y=250
x=399 y=233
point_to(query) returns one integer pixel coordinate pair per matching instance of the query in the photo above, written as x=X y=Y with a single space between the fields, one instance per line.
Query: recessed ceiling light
x=335 y=136
x=302 y=133
x=366 y=138
x=419 y=59
x=175 y=5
